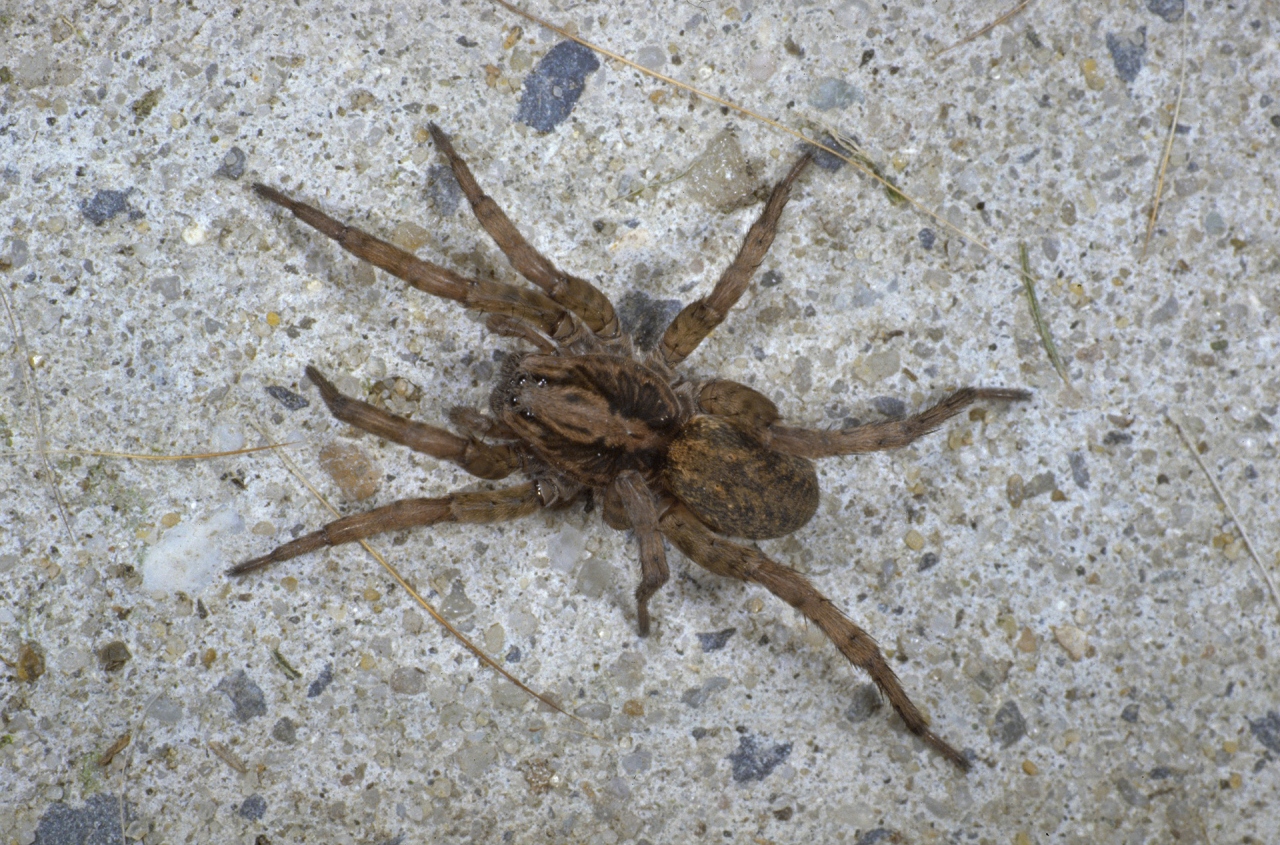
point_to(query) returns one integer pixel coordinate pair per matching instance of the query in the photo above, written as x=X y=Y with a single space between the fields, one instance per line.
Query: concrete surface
x=1056 y=583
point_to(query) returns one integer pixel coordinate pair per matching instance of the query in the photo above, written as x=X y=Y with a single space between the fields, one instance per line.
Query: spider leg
x=485 y=506
x=476 y=457
x=642 y=512
x=891 y=434
x=723 y=557
x=697 y=319
x=578 y=295
x=483 y=295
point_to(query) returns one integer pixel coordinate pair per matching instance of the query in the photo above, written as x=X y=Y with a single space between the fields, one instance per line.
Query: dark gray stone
x=1267 y=730
x=245 y=695
x=253 y=808
x=866 y=701
x=443 y=189
x=552 y=89
x=1170 y=10
x=697 y=696
x=1079 y=472
x=232 y=164
x=320 y=683
x=755 y=758
x=1126 y=54
x=106 y=204
x=1009 y=726
x=715 y=640
x=287 y=397
x=96 y=822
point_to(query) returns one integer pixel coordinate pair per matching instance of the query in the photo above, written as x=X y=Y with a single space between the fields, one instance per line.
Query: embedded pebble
x=1170 y=10
x=321 y=682
x=832 y=93
x=755 y=759
x=594 y=578
x=1127 y=55
x=232 y=164
x=284 y=730
x=291 y=401
x=1009 y=726
x=864 y=704
x=355 y=473
x=105 y=204
x=553 y=88
x=715 y=640
x=408 y=680
x=246 y=696
x=721 y=178
x=253 y=808
x=695 y=697
x=113 y=656
x=1073 y=641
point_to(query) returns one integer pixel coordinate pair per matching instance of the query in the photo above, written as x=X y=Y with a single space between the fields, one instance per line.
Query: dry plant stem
x=422 y=602
x=732 y=560
x=29 y=376
x=1046 y=337
x=131 y=456
x=995 y=23
x=1168 y=146
x=1248 y=544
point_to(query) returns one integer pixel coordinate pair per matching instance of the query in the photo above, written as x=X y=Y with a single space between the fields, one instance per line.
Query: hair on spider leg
x=585 y=415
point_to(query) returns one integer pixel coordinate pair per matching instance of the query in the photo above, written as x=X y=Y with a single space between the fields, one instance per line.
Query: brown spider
x=586 y=415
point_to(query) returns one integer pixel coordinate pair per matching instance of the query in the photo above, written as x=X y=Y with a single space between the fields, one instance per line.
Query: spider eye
x=528 y=415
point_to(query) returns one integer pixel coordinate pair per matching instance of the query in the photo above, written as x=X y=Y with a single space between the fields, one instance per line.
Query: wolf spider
x=585 y=415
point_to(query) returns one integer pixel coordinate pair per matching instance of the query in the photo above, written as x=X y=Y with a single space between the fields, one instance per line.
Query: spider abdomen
x=736 y=485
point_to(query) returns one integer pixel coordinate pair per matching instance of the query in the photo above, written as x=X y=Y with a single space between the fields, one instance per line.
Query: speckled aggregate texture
x=1055 y=582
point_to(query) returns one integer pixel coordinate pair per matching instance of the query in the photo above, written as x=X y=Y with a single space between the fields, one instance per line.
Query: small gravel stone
x=755 y=758
x=232 y=164
x=245 y=695
x=715 y=640
x=253 y=808
x=553 y=88
x=695 y=697
x=1126 y=54
x=865 y=703
x=1170 y=10
x=113 y=656
x=319 y=685
x=286 y=397
x=1008 y=726
x=1073 y=640
x=284 y=730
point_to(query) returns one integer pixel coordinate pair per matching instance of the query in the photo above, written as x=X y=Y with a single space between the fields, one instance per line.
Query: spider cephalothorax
x=586 y=414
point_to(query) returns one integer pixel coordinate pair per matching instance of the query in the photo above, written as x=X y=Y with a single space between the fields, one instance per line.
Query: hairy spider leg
x=490 y=297
x=642 y=512
x=578 y=295
x=470 y=453
x=697 y=319
x=704 y=547
x=480 y=507
x=891 y=434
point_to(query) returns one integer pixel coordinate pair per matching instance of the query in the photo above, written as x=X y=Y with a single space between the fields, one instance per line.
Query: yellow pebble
x=273 y=319
x=1030 y=768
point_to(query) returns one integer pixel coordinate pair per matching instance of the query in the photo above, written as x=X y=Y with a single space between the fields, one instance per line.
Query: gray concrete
x=1056 y=583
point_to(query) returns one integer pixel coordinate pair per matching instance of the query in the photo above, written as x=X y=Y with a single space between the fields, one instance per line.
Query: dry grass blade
x=423 y=603
x=1046 y=338
x=995 y=23
x=29 y=376
x=1168 y=146
x=1244 y=535
x=131 y=456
